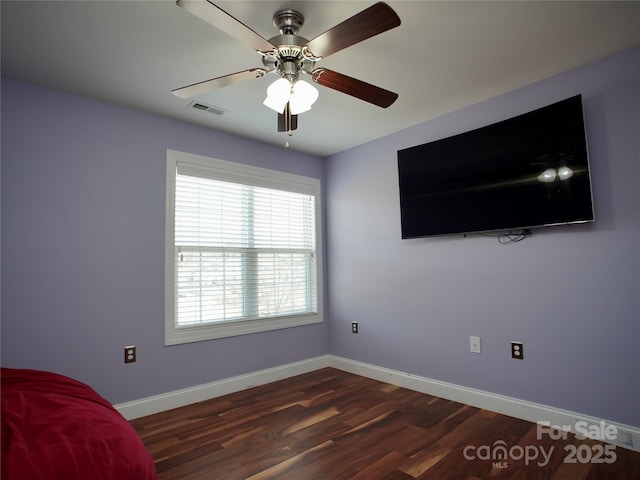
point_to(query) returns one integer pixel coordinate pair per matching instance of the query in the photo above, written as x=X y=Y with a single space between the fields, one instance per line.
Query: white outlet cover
x=474 y=344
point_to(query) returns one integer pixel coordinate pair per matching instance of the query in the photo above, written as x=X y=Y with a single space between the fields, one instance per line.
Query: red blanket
x=54 y=427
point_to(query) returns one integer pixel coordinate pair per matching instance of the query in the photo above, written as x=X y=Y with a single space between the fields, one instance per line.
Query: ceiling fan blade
x=219 y=82
x=356 y=88
x=220 y=19
x=370 y=22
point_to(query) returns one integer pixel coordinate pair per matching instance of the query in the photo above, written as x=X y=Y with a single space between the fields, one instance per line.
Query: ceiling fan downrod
x=288 y=22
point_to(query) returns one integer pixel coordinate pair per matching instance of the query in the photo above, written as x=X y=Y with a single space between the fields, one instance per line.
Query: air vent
x=207 y=108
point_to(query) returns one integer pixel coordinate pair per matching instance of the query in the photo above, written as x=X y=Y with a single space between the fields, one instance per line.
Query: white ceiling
x=444 y=56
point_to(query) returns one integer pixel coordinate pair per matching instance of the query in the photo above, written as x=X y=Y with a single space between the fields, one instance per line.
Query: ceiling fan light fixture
x=300 y=95
x=278 y=95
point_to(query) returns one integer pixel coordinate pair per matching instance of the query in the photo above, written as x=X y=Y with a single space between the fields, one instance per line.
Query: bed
x=55 y=427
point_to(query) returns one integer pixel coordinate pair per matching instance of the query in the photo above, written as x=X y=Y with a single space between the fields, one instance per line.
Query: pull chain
x=286 y=142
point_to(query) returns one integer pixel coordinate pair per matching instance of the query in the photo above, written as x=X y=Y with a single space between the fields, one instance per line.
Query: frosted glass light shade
x=303 y=95
x=278 y=95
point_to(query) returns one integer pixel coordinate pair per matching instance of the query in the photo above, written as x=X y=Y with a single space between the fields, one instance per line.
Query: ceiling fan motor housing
x=288 y=59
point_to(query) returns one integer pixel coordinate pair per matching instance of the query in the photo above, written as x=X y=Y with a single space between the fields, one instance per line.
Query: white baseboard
x=187 y=396
x=627 y=436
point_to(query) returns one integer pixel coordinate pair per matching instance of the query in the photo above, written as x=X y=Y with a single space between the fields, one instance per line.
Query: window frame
x=248 y=175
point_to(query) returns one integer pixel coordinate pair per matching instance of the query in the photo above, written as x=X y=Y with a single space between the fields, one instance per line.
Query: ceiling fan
x=289 y=56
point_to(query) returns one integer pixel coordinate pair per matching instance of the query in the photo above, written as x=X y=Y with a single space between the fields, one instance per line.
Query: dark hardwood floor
x=332 y=425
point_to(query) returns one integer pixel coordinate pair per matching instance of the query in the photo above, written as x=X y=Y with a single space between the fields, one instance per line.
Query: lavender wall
x=569 y=293
x=82 y=246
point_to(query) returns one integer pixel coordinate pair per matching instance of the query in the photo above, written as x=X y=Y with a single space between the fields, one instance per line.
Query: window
x=242 y=249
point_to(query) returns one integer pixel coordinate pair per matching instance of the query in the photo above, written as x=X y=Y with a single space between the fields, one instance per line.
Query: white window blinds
x=242 y=251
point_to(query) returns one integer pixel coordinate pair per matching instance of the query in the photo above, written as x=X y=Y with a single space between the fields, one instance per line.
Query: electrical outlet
x=130 y=354
x=517 y=350
x=354 y=327
x=474 y=344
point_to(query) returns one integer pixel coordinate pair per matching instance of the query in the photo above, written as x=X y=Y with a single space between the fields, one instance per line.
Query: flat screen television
x=527 y=171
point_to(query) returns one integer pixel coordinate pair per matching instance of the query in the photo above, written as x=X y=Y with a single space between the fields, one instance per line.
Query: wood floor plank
x=260 y=459
x=332 y=425
x=386 y=467
x=278 y=470
x=423 y=460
